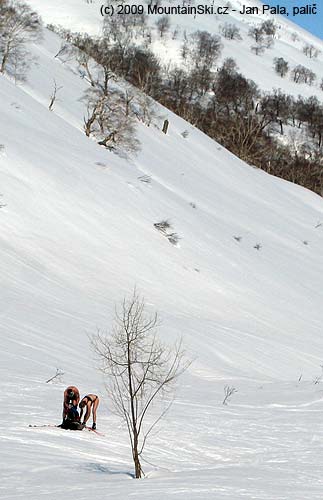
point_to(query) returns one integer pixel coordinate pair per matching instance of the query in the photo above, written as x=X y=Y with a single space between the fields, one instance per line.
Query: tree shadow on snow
x=103 y=469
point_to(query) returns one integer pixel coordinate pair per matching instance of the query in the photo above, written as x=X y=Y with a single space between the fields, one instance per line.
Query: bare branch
x=53 y=96
x=57 y=375
x=228 y=392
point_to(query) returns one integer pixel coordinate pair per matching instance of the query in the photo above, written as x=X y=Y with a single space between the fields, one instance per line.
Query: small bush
x=163 y=228
x=228 y=392
x=145 y=178
x=173 y=238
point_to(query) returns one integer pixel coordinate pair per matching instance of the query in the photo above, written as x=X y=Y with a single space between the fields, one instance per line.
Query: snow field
x=77 y=235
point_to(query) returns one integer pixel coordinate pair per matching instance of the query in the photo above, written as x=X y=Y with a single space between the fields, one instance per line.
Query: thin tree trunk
x=138 y=470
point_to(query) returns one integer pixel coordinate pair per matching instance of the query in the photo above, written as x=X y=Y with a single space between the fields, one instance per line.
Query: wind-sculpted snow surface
x=267 y=444
x=243 y=287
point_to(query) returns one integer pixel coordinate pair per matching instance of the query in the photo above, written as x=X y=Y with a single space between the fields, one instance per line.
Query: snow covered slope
x=83 y=16
x=243 y=288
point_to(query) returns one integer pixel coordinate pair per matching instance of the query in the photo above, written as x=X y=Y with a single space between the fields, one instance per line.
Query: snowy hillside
x=83 y=16
x=243 y=287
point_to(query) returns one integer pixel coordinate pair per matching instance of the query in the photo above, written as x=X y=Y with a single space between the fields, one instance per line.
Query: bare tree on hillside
x=256 y=33
x=138 y=370
x=18 y=25
x=205 y=49
x=84 y=60
x=110 y=120
x=163 y=25
x=263 y=35
x=53 y=96
x=144 y=70
x=258 y=49
x=231 y=31
x=310 y=51
x=201 y=51
x=301 y=74
x=281 y=66
x=269 y=28
x=147 y=110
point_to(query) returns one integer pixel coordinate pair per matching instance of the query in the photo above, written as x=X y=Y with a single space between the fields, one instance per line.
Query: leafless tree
x=144 y=70
x=54 y=96
x=163 y=226
x=147 y=110
x=163 y=25
x=229 y=65
x=65 y=52
x=185 y=46
x=258 y=49
x=301 y=74
x=256 y=33
x=294 y=36
x=276 y=106
x=84 y=60
x=95 y=106
x=231 y=31
x=281 y=66
x=205 y=49
x=319 y=377
x=20 y=61
x=266 y=28
x=232 y=91
x=228 y=392
x=173 y=238
x=242 y=136
x=201 y=53
x=18 y=25
x=175 y=33
x=138 y=367
x=263 y=36
x=119 y=29
x=269 y=28
x=57 y=377
x=310 y=51
x=110 y=120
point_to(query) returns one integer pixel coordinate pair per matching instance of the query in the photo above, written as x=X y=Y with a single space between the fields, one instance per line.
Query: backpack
x=73 y=414
x=72 y=420
x=72 y=426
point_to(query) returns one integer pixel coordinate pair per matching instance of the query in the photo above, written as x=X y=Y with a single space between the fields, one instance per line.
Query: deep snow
x=77 y=235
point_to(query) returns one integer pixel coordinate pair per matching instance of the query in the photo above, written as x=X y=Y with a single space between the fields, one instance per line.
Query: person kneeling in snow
x=71 y=419
x=89 y=401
